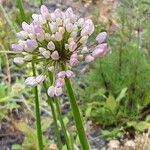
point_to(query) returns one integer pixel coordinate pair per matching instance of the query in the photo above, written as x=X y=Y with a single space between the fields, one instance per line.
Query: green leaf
x=131 y=123
x=111 y=103
x=17 y=147
x=2 y=90
x=141 y=126
x=148 y=118
x=147 y=99
x=121 y=95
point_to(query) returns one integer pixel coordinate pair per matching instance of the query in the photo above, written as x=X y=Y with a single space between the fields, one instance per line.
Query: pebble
x=113 y=144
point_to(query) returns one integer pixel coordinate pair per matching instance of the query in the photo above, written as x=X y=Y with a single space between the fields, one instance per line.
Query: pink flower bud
x=39 y=79
x=88 y=28
x=58 y=36
x=55 y=55
x=74 y=55
x=101 y=37
x=45 y=13
x=17 y=47
x=73 y=62
x=60 y=82
x=25 y=26
x=19 y=60
x=53 y=17
x=72 y=46
x=89 y=58
x=100 y=50
x=58 y=91
x=51 y=46
x=70 y=74
x=31 y=45
x=61 y=74
x=69 y=13
x=30 y=81
x=51 y=91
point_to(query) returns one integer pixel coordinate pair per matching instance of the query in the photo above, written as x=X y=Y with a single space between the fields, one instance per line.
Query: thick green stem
x=38 y=119
x=50 y=103
x=76 y=114
x=60 y=116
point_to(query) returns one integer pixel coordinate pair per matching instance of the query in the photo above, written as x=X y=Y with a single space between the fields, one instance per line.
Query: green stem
x=41 y=2
x=50 y=103
x=21 y=9
x=60 y=116
x=76 y=114
x=38 y=119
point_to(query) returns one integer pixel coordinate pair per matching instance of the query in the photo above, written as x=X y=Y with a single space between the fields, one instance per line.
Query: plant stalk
x=76 y=114
x=56 y=100
x=38 y=119
x=50 y=103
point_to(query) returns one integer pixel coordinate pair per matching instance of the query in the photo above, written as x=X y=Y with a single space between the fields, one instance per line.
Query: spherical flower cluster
x=57 y=38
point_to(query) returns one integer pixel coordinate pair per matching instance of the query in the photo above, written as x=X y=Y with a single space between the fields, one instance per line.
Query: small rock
x=130 y=144
x=113 y=144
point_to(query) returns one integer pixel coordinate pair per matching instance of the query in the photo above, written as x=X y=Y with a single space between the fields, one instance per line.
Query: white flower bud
x=51 y=46
x=51 y=91
x=19 y=60
x=47 y=36
x=61 y=30
x=80 y=22
x=41 y=49
x=61 y=74
x=58 y=91
x=83 y=40
x=51 y=68
x=30 y=81
x=58 y=36
x=53 y=27
x=22 y=34
x=39 y=79
x=58 y=13
x=53 y=17
x=84 y=50
x=46 y=54
x=69 y=27
x=45 y=13
x=59 y=21
x=66 y=46
x=55 y=55
x=40 y=37
x=72 y=46
x=27 y=57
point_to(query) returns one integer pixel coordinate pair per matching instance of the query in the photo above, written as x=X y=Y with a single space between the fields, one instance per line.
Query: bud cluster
x=57 y=38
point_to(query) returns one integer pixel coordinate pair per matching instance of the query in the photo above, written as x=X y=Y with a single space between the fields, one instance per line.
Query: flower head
x=57 y=38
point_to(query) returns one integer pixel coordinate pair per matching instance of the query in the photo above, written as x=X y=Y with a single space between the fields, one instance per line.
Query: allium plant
x=57 y=42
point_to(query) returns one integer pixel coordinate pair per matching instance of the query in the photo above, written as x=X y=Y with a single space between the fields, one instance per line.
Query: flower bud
x=58 y=91
x=58 y=13
x=30 y=81
x=80 y=22
x=101 y=37
x=61 y=30
x=83 y=40
x=31 y=45
x=59 y=21
x=73 y=62
x=88 y=28
x=51 y=68
x=45 y=13
x=61 y=74
x=69 y=13
x=51 y=91
x=85 y=50
x=55 y=55
x=26 y=27
x=40 y=37
x=27 y=57
x=32 y=36
x=51 y=46
x=66 y=46
x=72 y=46
x=58 y=36
x=100 y=50
x=89 y=58
x=39 y=79
x=41 y=49
x=53 y=17
x=53 y=27
x=19 y=60
x=60 y=82
x=74 y=55
x=46 y=54
x=69 y=27
x=47 y=36
x=70 y=74
x=17 y=47
x=22 y=34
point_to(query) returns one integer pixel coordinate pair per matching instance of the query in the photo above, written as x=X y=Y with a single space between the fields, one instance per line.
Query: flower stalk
x=56 y=100
x=50 y=103
x=37 y=109
x=76 y=114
